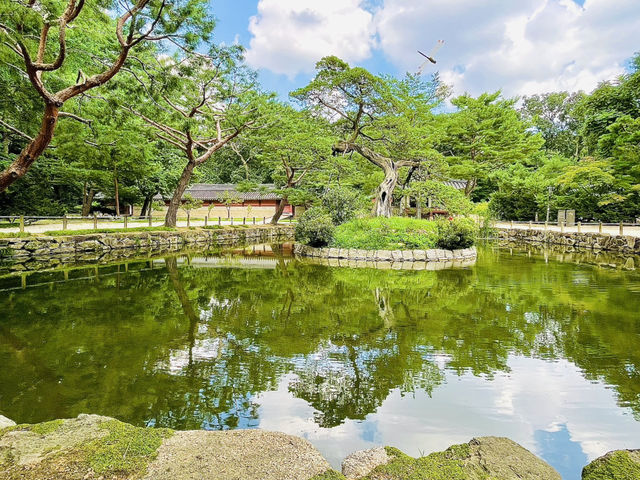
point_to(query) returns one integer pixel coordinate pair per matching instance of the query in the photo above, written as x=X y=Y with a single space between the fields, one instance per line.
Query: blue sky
x=518 y=46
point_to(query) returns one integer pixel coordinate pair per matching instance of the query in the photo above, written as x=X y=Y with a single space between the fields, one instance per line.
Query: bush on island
x=343 y=204
x=456 y=233
x=315 y=228
x=380 y=233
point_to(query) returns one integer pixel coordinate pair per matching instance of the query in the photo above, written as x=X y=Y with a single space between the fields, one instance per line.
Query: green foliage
x=315 y=228
x=379 y=233
x=189 y=203
x=615 y=466
x=442 y=196
x=342 y=203
x=484 y=136
x=456 y=233
x=125 y=450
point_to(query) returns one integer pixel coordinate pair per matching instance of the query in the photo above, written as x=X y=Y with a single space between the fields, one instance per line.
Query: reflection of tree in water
x=187 y=347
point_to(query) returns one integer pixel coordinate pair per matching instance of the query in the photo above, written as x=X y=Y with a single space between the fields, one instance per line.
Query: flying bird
x=430 y=58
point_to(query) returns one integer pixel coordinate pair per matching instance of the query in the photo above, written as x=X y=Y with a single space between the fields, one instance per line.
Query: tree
x=295 y=145
x=189 y=203
x=484 y=136
x=229 y=199
x=387 y=121
x=432 y=193
x=200 y=104
x=553 y=115
x=27 y=29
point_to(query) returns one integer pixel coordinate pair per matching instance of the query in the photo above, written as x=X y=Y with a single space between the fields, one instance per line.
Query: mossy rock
x=486 y=458
x=86 y=447
x=616 y=465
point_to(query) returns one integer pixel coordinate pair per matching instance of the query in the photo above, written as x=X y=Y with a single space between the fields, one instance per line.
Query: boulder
x=360 y=464
x=481 y=458
x=616 y=465
x=5 y=422
x=236 y=455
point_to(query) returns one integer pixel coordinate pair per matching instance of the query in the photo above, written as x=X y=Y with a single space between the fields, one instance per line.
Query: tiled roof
x=457 y=184
x=216 y=191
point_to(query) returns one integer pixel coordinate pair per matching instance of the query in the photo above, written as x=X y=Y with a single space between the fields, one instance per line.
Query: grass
x=15 y=235
x=379 y=233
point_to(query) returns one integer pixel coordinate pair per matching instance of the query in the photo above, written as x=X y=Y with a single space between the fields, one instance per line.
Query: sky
x=520 y=47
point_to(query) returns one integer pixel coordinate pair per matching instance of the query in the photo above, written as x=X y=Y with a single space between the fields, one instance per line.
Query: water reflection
x=518 y=345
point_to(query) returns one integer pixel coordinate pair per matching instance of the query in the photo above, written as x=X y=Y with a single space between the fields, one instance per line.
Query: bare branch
x=15 y=130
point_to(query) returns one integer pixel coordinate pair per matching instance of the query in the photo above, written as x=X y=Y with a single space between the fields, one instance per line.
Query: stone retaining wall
x=594 y=241
x=166 y=241
x=387 y=256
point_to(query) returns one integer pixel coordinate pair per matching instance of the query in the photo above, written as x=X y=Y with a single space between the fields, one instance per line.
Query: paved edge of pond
x=97 y=447
x=172 y=240
x=415 y=259
x=588 y=240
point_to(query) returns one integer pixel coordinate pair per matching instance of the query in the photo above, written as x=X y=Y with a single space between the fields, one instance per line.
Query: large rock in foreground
x=616 y=465
x=481 y=459
x=101 y=448
x=236 y=455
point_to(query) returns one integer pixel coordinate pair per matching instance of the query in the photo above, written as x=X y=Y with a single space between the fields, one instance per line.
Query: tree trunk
x=172 y=212
x=115 y=184
x=147 y=204
x=87 y=200
x=32 y=151
x=384 y=196
x=470 y=186
x=279 y=211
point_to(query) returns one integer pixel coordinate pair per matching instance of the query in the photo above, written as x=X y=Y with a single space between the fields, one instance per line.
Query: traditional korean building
x=261 y=202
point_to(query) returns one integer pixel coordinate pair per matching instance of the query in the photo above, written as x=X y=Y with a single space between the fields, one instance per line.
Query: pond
x=521 y=344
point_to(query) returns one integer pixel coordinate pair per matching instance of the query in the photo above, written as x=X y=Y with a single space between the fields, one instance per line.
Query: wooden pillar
x=126 y=221
x=64 y=222
x=95 y=221
x=219 y=221
x=621 y=228
x=579 y=227
x=206 y=220
x=21 y=223
x=150 y=221
x=188 y=219
x=600 y=227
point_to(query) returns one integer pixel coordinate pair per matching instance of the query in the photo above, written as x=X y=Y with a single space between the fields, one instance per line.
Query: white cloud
x=290 y=36
x=521 y=47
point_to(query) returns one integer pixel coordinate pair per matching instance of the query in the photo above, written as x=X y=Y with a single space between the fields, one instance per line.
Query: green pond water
x=521 y=344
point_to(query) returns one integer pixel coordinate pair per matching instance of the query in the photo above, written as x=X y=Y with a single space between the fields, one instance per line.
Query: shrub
x=457 y=233
x=342 y=204
x=315 y=228
x=379 y=233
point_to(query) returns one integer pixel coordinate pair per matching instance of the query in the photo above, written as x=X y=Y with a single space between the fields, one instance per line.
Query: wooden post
x=546 y=226
x=64 y=222
x=231 y=220
x=254 y=220
x=561 y=227
x=126 y=221
x=244 y=220
x=621 y=229
x=206 y=220
x=600 y=227
x=188 y=219
x=530 y=225
x=511 y=224
x=219 y=221
x=150 y=221
x=21 y=223
x=95 y=221
x=579 y=227
x=264 y=220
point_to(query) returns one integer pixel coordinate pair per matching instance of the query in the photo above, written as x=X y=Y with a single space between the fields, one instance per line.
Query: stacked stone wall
x=593 y=241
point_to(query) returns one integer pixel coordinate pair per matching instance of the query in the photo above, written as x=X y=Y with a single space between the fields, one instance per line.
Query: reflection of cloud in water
x=578 y=417
x=203 y=350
